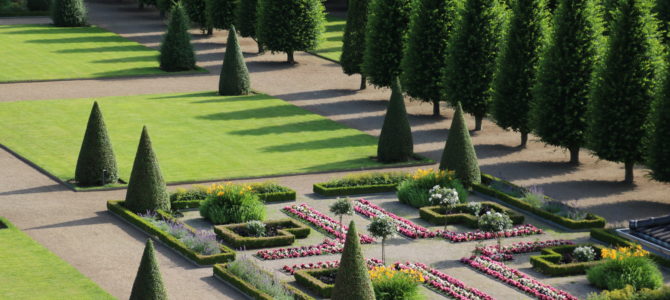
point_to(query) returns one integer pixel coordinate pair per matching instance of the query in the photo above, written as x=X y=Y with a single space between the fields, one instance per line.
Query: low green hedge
x=549 y=261
x=591 y=220
x=278 y=196
x=118 y=209
x=191 y=198
x=318 y=188
x=609 y=237
x=222 y=273
x=307 y=279
x=435 y=215
x=285 y=236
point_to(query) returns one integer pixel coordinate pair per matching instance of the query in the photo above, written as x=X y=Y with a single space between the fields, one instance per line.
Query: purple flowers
x=201 y=241
x=404 y=226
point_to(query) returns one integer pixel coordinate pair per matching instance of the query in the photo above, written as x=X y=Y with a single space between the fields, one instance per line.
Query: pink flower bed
x=516 y=279
x=372 y=262
x=321 y=221
x=404 y=226
x=325 y=248
x=457 y=237
x=518 y=248
x=445 y=284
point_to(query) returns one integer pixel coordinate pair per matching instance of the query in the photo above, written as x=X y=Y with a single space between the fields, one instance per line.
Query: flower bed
x=516 y=279
x=459 y=215
x=365 y=183
x=443 y=283
x=325 y=248
x=404 y=226
x=552 y=263
x=518 y=248
x=252 y=289
x=458 y=237
x=372 y=262
x=290 y=230
x=321 y=221
x=268 y=192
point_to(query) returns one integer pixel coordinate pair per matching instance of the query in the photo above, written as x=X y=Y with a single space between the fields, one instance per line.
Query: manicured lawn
x=331 y=46
x=30 y=271
x=43 y=52
x=198 y=136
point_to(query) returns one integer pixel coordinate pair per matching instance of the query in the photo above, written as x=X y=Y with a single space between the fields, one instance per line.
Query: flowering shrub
x=372 y=263
x=443 y=196
x=474 y=208
x=323 y=222
x=638 y=271
x=624 y=252
x=202 y=241
x=231 y=203
x=391 y=284
x=443 y=283
x=415 y=190
x=325 y=248
x=457 y=237
x=494 y=222
x=254 y=275
x=404 y=226
x=584 y=253
x=518 y=248
x=516 y=279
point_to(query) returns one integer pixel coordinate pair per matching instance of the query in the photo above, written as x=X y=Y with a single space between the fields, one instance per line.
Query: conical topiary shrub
x=96 y=164
x=68 y=13
x=459 y=154
x=234 y=78
x=148 y=283
x=353 y=280
x=176 y=50
x=395 y=140
x=146 y=189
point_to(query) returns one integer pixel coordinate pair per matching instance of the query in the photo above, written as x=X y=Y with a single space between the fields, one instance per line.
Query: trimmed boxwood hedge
x=609 y=237
x=320 y=189
x=307 y=279
x=435 y=215
x=591 y=220
x=117 y=208
x=222 y=273
x=285 y=236
x=289 y=195
x=548 y=262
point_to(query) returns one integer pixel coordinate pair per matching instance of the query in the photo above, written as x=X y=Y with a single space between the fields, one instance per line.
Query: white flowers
x=443 y=196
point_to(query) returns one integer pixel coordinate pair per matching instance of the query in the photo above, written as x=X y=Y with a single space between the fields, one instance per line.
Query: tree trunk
x=260 y=46
x=383 y=254
x=210 y=31
x=524 y=139
x=629 y=172
x=436 y=108
x=290 y=57
x=363 y=82
x=499 y=245
x=341 y=224
x=574 y=155
x=478 y=123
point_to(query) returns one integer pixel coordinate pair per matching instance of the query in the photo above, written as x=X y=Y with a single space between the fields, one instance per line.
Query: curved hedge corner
x=549 y=262
x=308 y=280
x=117 y=208
x=320 y=189
x=609 y=237
x=285 y=237
x=223 y=274
x=591 y=221
x=435 y=215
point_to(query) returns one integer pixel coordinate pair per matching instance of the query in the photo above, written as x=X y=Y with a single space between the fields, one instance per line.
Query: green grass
x=197 y=136
x=43 y=52
x=30 y=271
x=331 y=46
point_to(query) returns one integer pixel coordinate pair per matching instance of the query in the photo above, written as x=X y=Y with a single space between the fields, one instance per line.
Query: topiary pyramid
x=148 y=283
x=659 y=148
x=96 y=164
x=176 y=50
x=146 y=189
x=68 y=13
x=459 y=154
x=395 y=140
x=353 y=280
x=234 y=78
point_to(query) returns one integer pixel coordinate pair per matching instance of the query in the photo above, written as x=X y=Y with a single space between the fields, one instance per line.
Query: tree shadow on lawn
x=569 y=190
x=518 y=170
x=147 y=58
x=620 y=212
x=80 y=39
x=327 y=50
x=132 y=72
x=306 y=126
x=36 y=190
x=45 y=29
x=335 y=27
x=276 y=111
x=128 y=48
x=356 y=140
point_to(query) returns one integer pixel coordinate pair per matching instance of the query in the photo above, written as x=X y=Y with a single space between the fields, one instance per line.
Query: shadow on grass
x=129 y=48
x=223 y=99
x=131 y=71
x=306 y=126
x=358 y=163
x=148 y=58
x=182 y=96
x=49 y=29
x=328 y=50
x=335 y=27
x=276 y=111
x=80 y=39
x=517 y=170
x=355 y=140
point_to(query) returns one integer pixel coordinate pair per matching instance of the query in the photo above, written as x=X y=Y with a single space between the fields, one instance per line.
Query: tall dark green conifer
x=234 y=79
x=68 y=13
x=395 y=140
x=517 y=66
x=146 y=189
x=459 y=155
x=659 y=148
x=198 y=14
x=220 y=13
x=388 y=21
x=471 y=56
x=176 y=50
x=561 y=91
x=423 y=63
x=353 y=43
x=96 y=164
x=623 y=87
x=148 y=283
x=352 y=280
x=246 y=19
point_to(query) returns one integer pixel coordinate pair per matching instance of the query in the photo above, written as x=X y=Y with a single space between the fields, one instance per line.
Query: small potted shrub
x=382 y=227
x=495 y=222
x=341 y=207
x=445 y=198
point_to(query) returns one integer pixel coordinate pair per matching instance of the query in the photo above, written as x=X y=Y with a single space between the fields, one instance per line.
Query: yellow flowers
x=228 y=188
x=388 y=272
x=421 y=173
x=624 y=252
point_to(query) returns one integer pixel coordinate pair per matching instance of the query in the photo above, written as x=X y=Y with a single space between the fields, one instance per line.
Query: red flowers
x=327 y=247
x=458 y=237
x=404 y=226
x=518 y=248
x=321 y=221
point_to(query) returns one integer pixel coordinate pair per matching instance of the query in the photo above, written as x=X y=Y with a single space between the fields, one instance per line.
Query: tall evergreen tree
x=662 y=11
x=430 y=27
x=198 y=14
x=148 y=283
x=69 y=13
x=146 y=189
x=220 y=13
x=659 y=148
x=624 y=86
x=388 y=21
x=395 y=140
x=246 y=19
x=352 y=280
x=471 y=56
x=561 y=91
x=517 y=66
x=353 y=43
x=234 y=78
x=459 y=154
x=290 y=25
x=176 y=50
x=96 y=164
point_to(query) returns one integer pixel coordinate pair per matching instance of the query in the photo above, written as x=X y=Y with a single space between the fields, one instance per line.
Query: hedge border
x=227 y=254
x=609 y=237
x=285 y=236
x=432 y=215
x=246 y=288
x=320 y=189
x=548 y=262
x=306 y=279
x=592 y=221
x=265 y=197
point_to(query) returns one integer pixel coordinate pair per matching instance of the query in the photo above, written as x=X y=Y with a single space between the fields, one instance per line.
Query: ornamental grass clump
x=625 y=266
x=247 y=270
x=341 y=207
x=231 y=203
x=415 y=191
x=255 y=228
x=391 y=284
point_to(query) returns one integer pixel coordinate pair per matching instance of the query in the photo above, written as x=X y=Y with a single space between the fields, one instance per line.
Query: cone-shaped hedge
x=659 y=149
x=353 y=42
x=220 y=13
x=96 y=164
x=234 y=79
x=146 y=189
x=395 y=140
x=68 y=13
x=459 y=154
x=246 y=18
x=353 y=280
x=148 y=283
x=176 y=50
